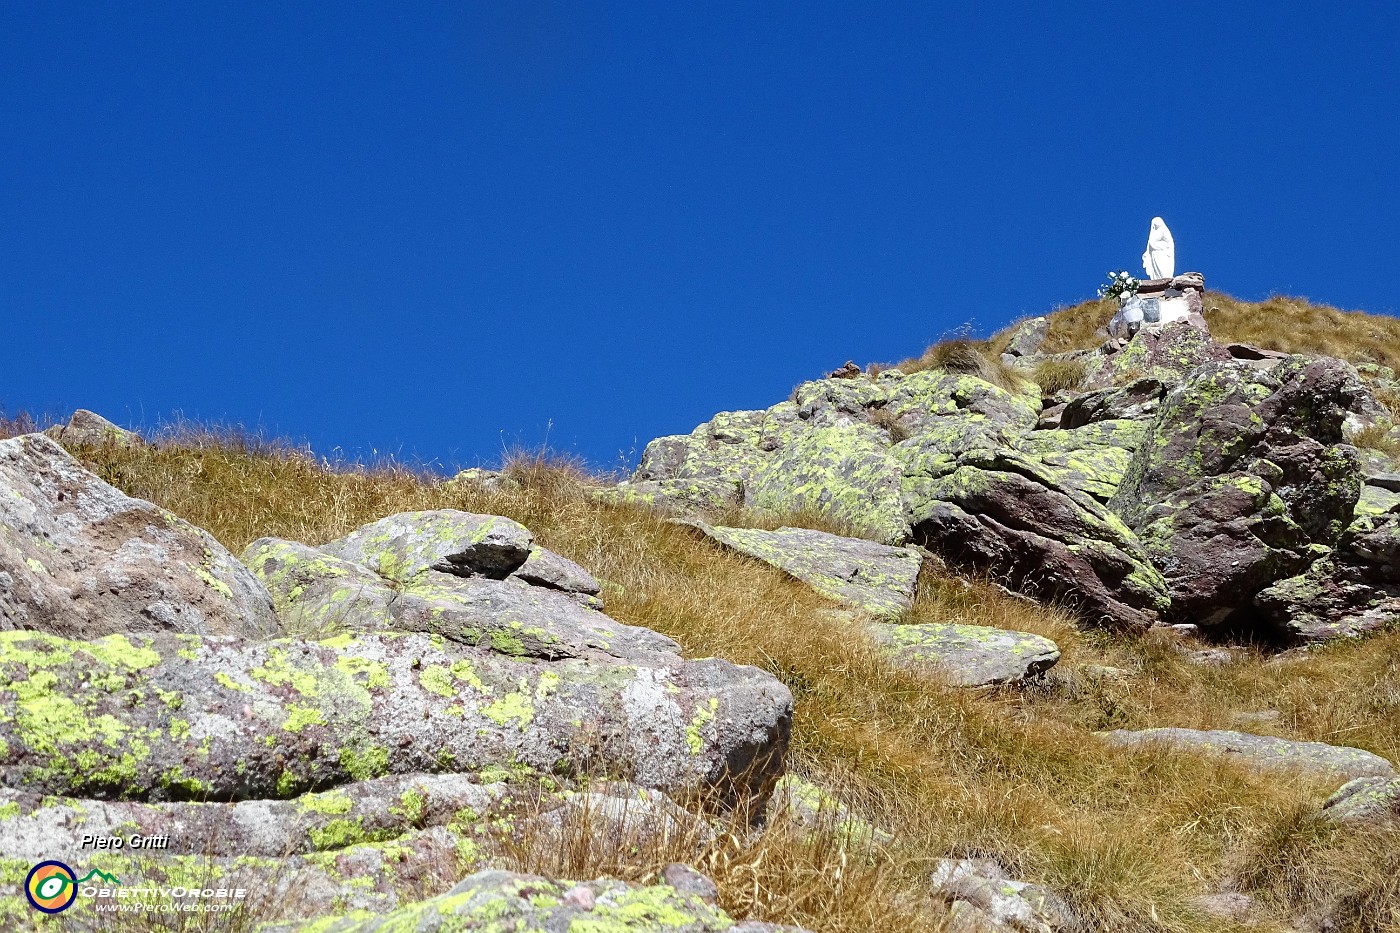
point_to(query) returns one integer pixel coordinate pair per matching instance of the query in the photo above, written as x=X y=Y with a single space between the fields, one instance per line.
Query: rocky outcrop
x=876 y=579
x=1243 y=481
x=79 y=559
x=1263 y=751
x=1002 y=514
x=230 y=719
x=969 y=655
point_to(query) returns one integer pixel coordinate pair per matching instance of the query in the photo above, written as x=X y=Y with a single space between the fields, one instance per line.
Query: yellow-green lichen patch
x=515 y=706
x=369 y=761
x=704 y=713
x=437 y=680
x=299 y=717
x=332 y=803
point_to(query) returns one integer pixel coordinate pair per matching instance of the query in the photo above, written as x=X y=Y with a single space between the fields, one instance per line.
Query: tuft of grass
x=1377 y=436
x=1059 y=375
x=966 y=357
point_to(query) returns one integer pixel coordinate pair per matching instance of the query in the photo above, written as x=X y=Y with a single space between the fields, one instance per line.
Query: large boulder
x=222 y=719
x=1002 y=514
x=873 y=578
x=1243 y=481
x=80 y=559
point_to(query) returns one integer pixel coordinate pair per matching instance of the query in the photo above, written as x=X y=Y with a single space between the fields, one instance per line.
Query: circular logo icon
x=51 y=887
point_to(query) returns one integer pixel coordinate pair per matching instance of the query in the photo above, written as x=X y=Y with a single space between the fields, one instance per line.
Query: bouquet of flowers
x=1120 y=285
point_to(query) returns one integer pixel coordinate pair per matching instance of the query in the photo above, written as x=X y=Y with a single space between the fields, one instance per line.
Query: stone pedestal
x=1162 y=302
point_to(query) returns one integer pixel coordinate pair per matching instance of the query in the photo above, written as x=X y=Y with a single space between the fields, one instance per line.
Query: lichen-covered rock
x=315 y=592
x=35 y=827
x=181 y=717
x=499 y=900
x=1028 y=337
x=91 y=429
x=1166 y=353
x=543 y=608
x=1263 y=750
x=874 y=578
x=402 y=547
x=1351 y=593
x=80 y=559
x=970 y=655
x=1365 y=800
x=1136 y=401
x=1090 y=459
x=1243 y=480
x=843 y=472
x=1007 y=516
x=676 y=496
x=982 y=898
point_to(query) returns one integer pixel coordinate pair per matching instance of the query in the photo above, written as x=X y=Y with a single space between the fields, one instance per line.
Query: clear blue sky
x=437 y=228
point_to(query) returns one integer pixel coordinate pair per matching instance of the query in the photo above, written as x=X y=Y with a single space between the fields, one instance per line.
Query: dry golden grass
x=1057 y=375
x=1128 y=836
x=1290 y=325
x=964 y=356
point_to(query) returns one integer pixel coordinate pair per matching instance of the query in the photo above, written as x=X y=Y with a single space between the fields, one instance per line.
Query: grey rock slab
x=970 y=655
x=1028 y=336
x=506 y=900
x=1365 y=800
x=79 y=558
x=35 y=827
x=404 y=546
x=513 y=618
x=1262 y=750
x=548 y=569
x=874 y=578
x=807 y=804
x=228 y=719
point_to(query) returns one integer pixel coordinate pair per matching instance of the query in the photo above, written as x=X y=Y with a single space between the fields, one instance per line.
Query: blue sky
x=438 y=229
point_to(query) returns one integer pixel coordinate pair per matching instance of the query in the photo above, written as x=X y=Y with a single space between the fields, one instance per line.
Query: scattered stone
x=849 y=371
x=970 y=655
x=1262 y=750
x=1028 y=337
x=487 y=480
x=1365 y=800
x=80 y=559
x=982 y=898
x=874 y=578
x=1226 y=905
x=618 y=820
x=89 y=429
x=689 y=881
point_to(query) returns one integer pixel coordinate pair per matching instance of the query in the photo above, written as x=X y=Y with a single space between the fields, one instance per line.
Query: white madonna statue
x=1159 y=262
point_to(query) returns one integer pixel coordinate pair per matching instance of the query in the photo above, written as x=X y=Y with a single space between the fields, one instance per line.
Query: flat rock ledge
x=500 y=900
x=873 y=578
x=1263 y=751
x=970 y=655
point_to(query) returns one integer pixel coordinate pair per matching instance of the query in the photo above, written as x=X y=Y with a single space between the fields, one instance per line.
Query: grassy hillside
x=1130 y=836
